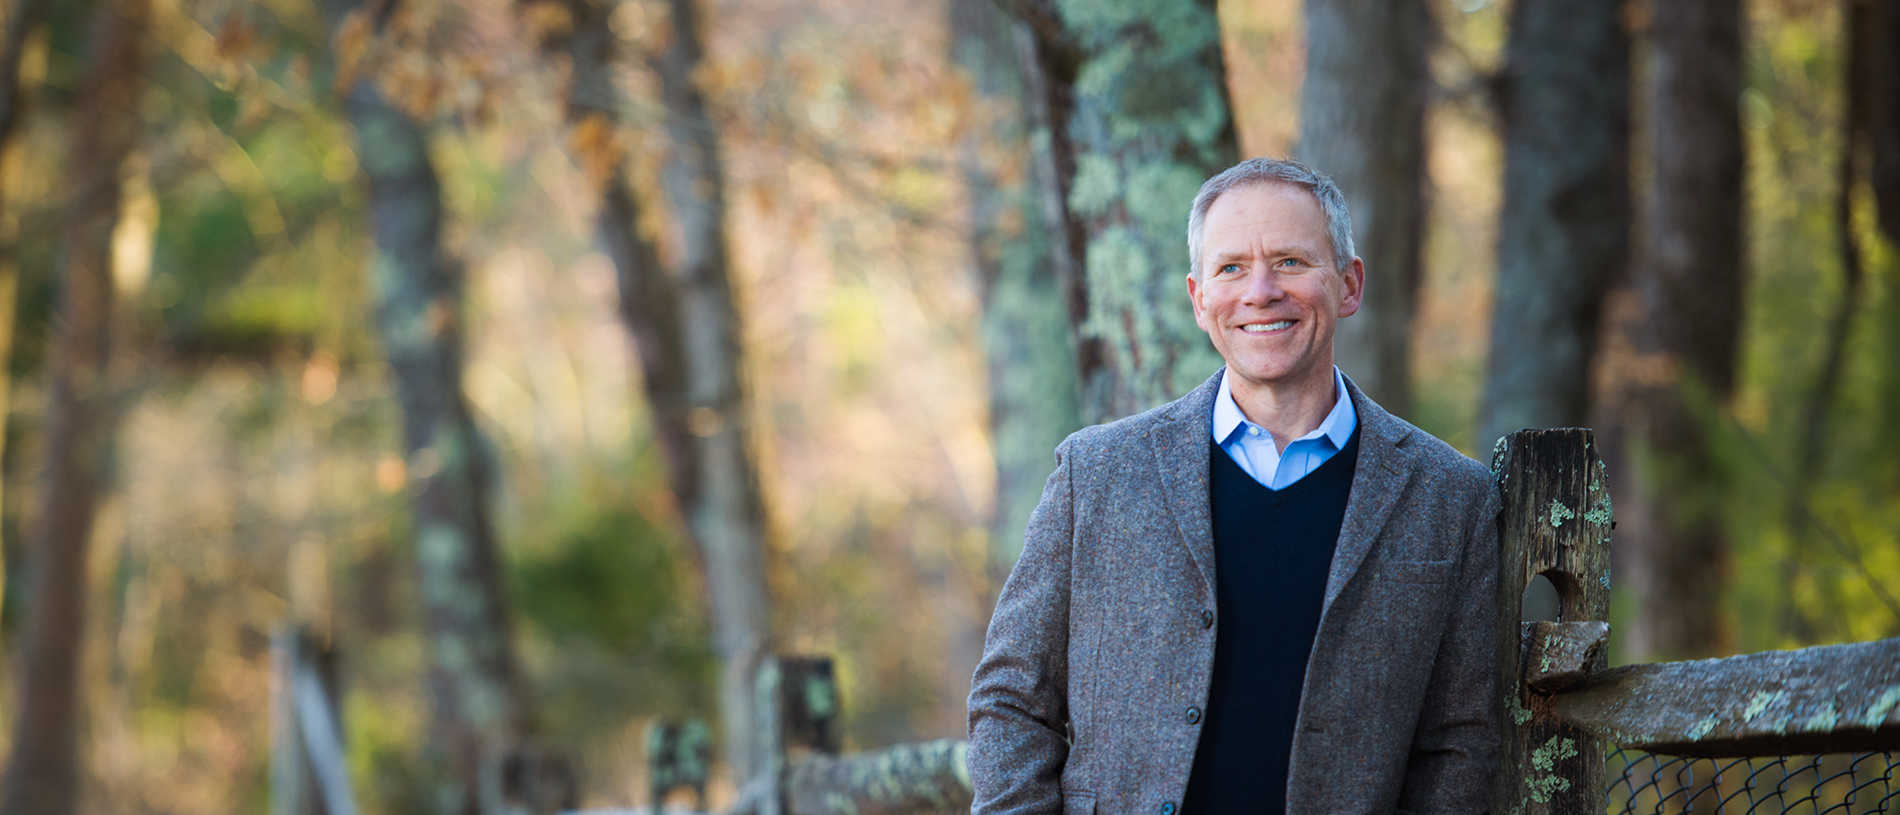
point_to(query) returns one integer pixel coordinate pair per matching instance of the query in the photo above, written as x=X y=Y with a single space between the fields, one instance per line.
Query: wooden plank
x=1556 y=522
x=1828 y=699
x=1558 y=654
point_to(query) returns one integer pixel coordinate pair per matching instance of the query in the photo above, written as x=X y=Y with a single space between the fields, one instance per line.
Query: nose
x=1263 y=286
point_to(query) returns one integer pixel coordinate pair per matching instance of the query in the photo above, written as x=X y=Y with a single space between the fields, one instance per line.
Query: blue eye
x=1231 y=267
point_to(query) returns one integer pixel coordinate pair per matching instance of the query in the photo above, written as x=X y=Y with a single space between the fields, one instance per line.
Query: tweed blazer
x=1100 y=641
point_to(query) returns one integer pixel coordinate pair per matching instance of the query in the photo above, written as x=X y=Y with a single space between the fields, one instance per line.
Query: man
x=1269 y=595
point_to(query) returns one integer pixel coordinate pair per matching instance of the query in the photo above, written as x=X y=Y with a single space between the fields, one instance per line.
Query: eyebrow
x=1275 y=252
x=1224 y=257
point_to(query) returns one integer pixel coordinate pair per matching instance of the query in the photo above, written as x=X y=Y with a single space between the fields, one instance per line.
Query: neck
x=1288 y=410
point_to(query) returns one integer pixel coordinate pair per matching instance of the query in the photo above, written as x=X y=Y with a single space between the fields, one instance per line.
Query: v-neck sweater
x=1273 y=551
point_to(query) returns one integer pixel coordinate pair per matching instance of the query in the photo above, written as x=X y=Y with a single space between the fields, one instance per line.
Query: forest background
x=553 y=362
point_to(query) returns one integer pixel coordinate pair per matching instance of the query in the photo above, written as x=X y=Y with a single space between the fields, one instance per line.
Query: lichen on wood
x=1558 y=654
x=1549 y=765
x=910 y=778
x=1833 y=698
x=1547 y=781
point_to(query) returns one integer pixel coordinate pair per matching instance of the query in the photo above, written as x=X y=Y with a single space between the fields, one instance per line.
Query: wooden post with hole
x=1556 y=522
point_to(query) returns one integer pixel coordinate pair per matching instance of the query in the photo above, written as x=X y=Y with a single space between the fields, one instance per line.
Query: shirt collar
x=1337 y=427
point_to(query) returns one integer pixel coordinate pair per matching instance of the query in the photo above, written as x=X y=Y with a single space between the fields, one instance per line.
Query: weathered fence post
x=1556 y=522
x=810 y=703
x=679 y=755
x=797 y=704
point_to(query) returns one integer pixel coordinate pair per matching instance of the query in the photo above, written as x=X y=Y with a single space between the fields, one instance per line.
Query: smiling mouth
x=1262 y=328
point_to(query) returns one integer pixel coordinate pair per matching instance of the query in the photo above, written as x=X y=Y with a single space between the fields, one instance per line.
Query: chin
x=1271 y=372
x=1261 y=376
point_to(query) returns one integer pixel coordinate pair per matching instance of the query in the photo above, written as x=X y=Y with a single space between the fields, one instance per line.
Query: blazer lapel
x=1180 y=443
x=1385 y=464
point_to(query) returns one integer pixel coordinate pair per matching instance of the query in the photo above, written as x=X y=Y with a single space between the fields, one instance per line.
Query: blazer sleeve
x=1455 y=748
x=1019 y=712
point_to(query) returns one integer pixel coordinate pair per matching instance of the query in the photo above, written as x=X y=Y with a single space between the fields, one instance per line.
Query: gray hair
x=1266 y=171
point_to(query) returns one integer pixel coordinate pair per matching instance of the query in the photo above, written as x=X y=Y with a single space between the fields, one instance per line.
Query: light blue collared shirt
x=1252 y=447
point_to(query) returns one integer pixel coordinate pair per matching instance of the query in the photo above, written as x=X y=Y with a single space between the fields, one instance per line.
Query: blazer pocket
x=1417 y=571
x=1077 y=803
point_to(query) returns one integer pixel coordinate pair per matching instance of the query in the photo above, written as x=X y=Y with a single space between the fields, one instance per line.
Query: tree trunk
x=1564 y=233
x=686 y=333
x=481 y=711
x=721 y=500
x=1032 y=386
x=1883 y=113
x=1690 y=290
x=1032 y=375
x=43 y=776
x=1135 y=99
x=1861 y=35
x=22 y=18
x=1362 y=121
x=1884 y=178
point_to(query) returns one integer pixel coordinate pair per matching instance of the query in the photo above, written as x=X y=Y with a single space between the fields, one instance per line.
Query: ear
x=1194 y=297
x=1354 y=280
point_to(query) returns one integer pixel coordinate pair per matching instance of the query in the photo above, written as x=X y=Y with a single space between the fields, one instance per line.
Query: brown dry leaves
x=429 y=58
x=598 y=147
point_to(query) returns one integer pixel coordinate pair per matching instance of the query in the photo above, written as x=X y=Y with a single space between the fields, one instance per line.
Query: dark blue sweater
x=1272 y=553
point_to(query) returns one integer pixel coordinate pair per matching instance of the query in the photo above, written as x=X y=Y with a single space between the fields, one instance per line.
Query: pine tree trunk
x=478 y=700
x=1135 y=99
x=1690 y=285
x=42 y=778
x=1362 y=121
x=1564 y=233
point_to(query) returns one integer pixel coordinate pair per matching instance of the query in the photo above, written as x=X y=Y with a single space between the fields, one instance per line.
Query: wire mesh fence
x=1833 y=784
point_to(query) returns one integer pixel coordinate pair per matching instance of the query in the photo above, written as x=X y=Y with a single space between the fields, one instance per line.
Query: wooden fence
x=1561 y=710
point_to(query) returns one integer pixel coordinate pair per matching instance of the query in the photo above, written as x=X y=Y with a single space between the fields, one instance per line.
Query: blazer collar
x=1180 y=442
x=1386 y=459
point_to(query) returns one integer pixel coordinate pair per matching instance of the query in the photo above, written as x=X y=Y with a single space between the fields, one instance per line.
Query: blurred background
x=552 y=362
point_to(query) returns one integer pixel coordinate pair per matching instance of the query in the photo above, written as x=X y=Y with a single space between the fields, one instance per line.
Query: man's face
x=1269 y=291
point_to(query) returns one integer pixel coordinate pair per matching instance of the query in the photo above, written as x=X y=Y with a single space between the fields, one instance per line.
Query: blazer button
x=1194 y=715
x=1207 y=618
x=1167 y=808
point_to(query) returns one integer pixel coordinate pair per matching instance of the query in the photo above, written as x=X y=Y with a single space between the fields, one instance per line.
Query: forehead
x=1271 y=212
